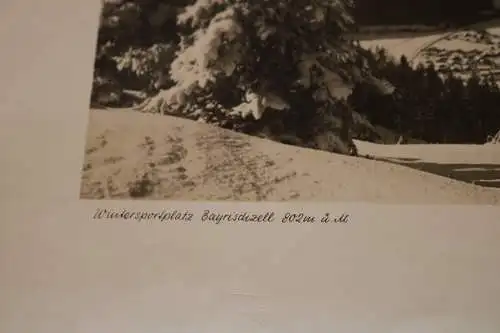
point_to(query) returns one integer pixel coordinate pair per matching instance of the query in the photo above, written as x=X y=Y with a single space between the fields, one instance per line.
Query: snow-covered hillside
x=148 y=156
x=475 y=48
x=398 y=46
x=464 y=52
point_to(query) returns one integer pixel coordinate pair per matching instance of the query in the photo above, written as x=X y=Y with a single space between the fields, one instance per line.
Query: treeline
x=427 y=106
x=387 y=12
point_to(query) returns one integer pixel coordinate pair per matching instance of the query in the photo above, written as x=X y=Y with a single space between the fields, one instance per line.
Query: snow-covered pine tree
x=267 y=65
x=136 y=42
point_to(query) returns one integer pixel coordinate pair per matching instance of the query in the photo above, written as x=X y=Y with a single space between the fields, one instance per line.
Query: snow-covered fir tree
x=279 y=68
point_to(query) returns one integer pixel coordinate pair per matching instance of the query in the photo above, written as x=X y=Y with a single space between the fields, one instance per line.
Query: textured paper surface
x=393 y=268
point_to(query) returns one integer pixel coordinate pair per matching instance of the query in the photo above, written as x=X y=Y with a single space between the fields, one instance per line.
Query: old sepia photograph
x=377 y=101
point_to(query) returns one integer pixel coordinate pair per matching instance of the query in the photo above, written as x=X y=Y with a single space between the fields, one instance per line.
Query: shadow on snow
x=487 y=175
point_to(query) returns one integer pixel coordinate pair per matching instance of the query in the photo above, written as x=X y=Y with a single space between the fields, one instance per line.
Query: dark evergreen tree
x=428 y=107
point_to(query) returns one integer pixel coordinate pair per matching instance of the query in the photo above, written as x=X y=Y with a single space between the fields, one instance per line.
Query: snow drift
x=147 y=156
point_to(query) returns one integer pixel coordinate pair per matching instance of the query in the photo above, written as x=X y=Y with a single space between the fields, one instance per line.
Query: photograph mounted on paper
x=338 y=101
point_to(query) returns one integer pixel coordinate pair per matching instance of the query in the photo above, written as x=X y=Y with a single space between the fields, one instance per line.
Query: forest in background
x=430 y=12
x=430 y=106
